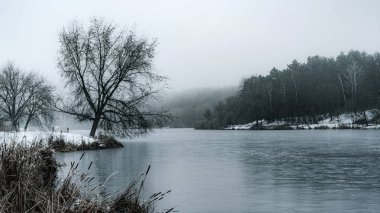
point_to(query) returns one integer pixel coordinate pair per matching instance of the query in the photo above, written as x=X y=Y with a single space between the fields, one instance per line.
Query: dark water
x=250 y=171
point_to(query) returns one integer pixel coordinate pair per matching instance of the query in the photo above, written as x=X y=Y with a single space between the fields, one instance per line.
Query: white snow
x=29 y=137
x=344 y=119
x=241 y=126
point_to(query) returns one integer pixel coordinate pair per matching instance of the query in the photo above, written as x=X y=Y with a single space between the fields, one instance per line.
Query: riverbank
x=60 y=141
x=29 y=183
x=343 y=121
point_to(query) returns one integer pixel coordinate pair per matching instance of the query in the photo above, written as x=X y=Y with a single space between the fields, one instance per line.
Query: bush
x=101 y=142
x=108 y=141
x=282 y=127
x=344 y=126
x=258 y=128
x=322 y=127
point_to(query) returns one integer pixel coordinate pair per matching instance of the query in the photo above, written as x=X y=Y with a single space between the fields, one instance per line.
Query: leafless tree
x=109 y=74
x=351 y=78
x=354 y=72
x=39 y=109
x=19 y=92
x=348 y=81
x=295 y=75
x=14 y=93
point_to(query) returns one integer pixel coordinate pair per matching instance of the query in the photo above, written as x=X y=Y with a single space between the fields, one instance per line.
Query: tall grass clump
x=29 y=183
x=27 y=175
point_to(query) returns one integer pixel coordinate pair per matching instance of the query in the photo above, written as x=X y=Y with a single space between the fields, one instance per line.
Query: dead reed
x=29 y=183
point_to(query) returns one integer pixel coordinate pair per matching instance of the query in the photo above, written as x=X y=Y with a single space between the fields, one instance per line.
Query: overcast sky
x=202 y=43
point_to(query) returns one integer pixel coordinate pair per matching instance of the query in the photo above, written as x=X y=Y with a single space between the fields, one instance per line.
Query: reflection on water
x=249 y=171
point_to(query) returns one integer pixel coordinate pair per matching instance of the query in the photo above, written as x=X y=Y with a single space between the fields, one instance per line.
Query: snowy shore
x=60 y=141
x=28 y=137
x=344 y=121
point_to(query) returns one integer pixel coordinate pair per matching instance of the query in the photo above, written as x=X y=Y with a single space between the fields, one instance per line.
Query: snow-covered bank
x=343 y=121
x=60 y=141
x=29 y=137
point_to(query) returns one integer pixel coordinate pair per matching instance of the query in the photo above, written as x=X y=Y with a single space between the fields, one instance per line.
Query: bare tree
x=109 y=74
x=295 y=75
x=13 y=93
x=16 y=91
x=39 y=109
x=351 y=78
x=354 y=72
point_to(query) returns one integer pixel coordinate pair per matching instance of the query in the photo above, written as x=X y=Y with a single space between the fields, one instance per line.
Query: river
x=248 y=171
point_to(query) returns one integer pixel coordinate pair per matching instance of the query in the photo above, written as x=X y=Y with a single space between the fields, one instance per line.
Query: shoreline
x=29 y=182
x=60 y=141
x=269 y=129
x=308 y=127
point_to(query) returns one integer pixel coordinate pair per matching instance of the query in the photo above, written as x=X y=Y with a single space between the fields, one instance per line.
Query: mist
x=200 y=43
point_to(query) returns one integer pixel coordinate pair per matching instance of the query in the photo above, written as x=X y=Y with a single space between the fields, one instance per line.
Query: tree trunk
x=15 y=126
x=95 y=124
x=27 y=123
x=365 y=118
x=342 y=87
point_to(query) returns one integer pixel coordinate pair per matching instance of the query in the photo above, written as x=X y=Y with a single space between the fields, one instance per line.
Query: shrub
x=101 y=142
x=322 y=127
x=282 y=127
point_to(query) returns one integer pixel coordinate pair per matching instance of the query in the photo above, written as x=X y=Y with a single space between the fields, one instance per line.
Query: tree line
x=304 y=93
x=108 y=75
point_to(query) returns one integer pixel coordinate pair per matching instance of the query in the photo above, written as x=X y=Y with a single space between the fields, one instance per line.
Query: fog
x=189 y=106
x=200 y=43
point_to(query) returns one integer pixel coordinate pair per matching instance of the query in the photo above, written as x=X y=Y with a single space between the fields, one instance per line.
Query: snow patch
x=347 y=119
x=28 y=137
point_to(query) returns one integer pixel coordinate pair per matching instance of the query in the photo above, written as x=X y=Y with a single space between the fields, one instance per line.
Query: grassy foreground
x=29 y=183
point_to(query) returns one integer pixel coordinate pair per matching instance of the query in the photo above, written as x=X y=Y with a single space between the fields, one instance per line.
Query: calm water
x=250 y=171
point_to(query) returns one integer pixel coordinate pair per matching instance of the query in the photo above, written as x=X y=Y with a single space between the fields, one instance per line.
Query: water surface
x=249 y=171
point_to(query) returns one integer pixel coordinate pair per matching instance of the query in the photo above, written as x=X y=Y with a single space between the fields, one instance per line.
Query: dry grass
x=28 y=183
x=101 y=142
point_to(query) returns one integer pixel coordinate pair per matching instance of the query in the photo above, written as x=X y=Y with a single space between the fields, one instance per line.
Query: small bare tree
x=39 y=110
x=14 y=93
x=23 y=95
x=109 y=74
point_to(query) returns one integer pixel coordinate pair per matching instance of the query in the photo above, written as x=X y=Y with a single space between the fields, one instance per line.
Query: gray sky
x=201 y=43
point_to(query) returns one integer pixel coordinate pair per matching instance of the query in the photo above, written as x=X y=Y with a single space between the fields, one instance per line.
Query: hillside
x=189 y=106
